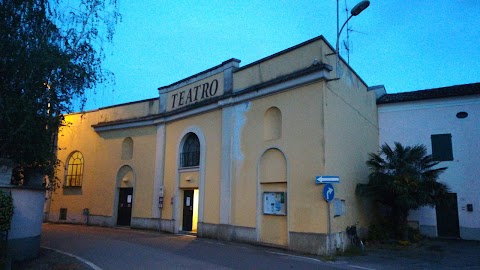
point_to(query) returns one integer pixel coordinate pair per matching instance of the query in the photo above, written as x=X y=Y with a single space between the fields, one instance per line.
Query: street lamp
x=357 y=9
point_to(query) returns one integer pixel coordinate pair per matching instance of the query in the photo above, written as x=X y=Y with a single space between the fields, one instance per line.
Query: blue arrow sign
x=328 y=192
x=327 y=179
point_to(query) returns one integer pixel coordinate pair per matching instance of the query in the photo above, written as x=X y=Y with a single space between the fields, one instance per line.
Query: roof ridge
x=433 y=93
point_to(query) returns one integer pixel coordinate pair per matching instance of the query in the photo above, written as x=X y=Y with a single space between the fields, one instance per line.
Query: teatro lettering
x=194 y=94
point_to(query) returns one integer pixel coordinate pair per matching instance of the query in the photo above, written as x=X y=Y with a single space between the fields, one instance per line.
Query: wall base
x=312 y=243
x=428 y=230
x=470 y=233
x=104 y=221
x=227 y=232
x=167 y=225
x=465 y=233
x=145 y=223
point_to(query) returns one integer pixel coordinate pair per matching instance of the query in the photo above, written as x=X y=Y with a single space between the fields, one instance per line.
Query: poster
x=275 y=203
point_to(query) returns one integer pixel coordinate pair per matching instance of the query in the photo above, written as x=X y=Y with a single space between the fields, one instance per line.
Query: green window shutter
x=442 y=147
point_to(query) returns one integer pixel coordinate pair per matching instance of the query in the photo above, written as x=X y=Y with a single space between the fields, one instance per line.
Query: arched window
x=190 y=156
x=272 y=124
x=74 y=170
x=127 y=149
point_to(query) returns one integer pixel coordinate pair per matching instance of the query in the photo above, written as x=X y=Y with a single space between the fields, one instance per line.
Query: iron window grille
x=74 y=170
x=190 y=156
x=189 y=159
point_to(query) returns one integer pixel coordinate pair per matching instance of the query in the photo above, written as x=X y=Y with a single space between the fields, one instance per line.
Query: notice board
x=275 y=203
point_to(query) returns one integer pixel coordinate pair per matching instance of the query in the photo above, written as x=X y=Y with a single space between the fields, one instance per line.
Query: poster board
x=275 y=203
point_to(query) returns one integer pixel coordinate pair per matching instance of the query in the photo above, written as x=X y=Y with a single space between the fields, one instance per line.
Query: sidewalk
x=429 y=254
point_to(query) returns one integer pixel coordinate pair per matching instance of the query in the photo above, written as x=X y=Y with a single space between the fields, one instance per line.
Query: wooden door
x=187 y=210
x=447 y=217
x=125 y=202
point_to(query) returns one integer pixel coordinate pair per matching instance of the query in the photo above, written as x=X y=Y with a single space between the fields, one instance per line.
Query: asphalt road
x=113 y=248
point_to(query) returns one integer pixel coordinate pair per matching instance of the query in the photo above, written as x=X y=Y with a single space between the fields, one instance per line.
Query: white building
x=447 y=121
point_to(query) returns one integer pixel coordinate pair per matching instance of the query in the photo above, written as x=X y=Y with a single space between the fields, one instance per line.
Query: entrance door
x=187 y=210
x=447 y=217
x=125 y=202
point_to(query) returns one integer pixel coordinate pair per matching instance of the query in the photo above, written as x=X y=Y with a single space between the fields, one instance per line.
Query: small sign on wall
x=338 y=207
x=275 y=203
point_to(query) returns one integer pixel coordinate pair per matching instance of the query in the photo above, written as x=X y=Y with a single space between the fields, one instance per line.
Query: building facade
x=230 y=153
x=446 y=120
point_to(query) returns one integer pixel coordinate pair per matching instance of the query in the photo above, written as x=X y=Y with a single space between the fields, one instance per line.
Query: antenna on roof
x=346 y=43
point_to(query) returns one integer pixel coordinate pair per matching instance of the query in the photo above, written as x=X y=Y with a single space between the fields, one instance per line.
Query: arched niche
x=125 y=177
x=272 y=124
x=127 y=149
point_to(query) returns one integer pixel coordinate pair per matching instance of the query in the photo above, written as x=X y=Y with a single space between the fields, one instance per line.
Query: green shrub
x=404 y=243
x=379 y=232
x=6 y=210
x=414 y=235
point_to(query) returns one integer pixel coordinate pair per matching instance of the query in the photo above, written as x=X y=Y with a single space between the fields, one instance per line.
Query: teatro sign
x=195 y=92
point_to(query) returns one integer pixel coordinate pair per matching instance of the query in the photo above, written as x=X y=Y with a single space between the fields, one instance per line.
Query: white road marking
x=289 y=255
x=76 y=257
x=359 y=267
x=186 y=235
x=295 y=256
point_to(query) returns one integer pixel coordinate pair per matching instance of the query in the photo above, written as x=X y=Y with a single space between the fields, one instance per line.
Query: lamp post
x=357 y=9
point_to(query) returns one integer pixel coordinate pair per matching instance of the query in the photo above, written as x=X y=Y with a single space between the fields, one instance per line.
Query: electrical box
x=160 y=197
x=160 y=202
x=470 y=207
x=338 y=207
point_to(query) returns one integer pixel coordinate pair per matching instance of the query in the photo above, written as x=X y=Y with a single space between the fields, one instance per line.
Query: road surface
x=114 y=248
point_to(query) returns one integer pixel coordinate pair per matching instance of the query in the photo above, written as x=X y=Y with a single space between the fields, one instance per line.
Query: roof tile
x=443 y=92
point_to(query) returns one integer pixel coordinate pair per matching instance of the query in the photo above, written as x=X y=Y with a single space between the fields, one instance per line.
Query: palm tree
x=403 y=179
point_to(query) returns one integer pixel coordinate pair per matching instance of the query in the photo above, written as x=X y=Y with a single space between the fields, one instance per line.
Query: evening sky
x=405 y=45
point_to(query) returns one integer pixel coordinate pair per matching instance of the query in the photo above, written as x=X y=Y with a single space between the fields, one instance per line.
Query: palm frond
x=403 y=176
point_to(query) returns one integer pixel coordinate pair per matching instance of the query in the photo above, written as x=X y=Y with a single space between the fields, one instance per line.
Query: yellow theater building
x=231 y=153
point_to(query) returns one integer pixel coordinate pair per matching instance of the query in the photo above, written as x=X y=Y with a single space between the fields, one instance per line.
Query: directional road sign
x=326 y=179
x=328 y=192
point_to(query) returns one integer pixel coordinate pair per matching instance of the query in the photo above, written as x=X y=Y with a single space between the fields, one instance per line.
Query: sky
x=405 y=45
